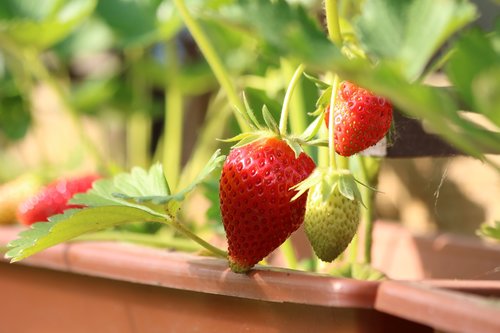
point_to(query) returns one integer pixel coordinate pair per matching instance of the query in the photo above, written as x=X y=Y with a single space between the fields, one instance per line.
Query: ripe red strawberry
x=255 y=199
x=53 y=199
x=361 y=119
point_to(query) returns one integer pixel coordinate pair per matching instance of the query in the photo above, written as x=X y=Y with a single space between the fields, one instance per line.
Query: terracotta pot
x=109 y=287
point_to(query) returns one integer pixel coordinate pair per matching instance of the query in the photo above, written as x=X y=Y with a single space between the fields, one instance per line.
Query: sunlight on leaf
x=69 y=225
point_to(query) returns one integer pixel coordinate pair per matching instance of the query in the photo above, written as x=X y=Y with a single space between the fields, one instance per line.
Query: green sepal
x=324 y=99
x=330 y=179
x=295 y=146
x=249 y=115
x=348 y=187
x=319 y=83
x=270 y=121
x=313 y=128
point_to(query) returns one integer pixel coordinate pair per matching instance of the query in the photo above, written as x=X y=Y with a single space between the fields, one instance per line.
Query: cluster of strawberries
x=256 y=192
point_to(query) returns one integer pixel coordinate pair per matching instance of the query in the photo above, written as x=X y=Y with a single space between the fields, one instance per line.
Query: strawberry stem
x=367 y=213
x=288 y=96
x=143 y=239
x=214 y=62
x=174 y=111
x=332 y=21
x=186 y=232
x=331 y=129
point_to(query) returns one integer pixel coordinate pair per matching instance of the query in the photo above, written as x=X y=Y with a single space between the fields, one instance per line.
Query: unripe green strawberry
x=255 y=196
x=332 y=211
x=330 y=224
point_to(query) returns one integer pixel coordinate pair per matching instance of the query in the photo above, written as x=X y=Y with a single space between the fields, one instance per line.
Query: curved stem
x=288 y=96
x=332 y=21
x=214 y=61
x=186 y=232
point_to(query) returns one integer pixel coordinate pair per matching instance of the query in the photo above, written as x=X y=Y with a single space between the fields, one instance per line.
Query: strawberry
x=361 y=119
x=330 y=224
x=255 y=195
x=332 y=211
x=53 y=199
x=13 y=193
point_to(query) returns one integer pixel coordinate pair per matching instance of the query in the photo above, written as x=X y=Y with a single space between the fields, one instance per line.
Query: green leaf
x=473 y=69
x=69 y=225
x=490 y=231
x=15 y=117
x=171 y=202
x=45 y=28
x=486 y=90
x=283 y=28
x=137 y=183
x=358 y=271
x=133 y=22
x=409 y=33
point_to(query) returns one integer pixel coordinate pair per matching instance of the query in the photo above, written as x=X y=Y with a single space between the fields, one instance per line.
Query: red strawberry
x=53 y=199
x=361 y=119
x=255 y=199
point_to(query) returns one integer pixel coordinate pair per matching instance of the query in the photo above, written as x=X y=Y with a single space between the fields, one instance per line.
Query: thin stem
x=331 y=125
x=332 y=21
x=174 y=111
x=288 y=96
x=138 y=124
x=186 y=232
x=214 y=61
x=368 y=216
x=138 y=128
x=144 y=239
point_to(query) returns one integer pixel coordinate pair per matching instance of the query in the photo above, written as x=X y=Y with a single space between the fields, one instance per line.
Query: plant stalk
x=186 y=232
x=214 y=62
x=331 y=128
x=367 y=213
x=144 y=239
x=332 y=21
x=174 y=115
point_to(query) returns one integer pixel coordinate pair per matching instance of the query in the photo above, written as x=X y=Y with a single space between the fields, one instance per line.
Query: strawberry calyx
x=270 y=129
x=331 y=179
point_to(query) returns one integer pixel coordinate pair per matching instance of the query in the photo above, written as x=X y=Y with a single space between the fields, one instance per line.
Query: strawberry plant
x=343 y=64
